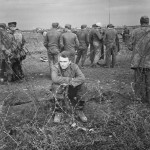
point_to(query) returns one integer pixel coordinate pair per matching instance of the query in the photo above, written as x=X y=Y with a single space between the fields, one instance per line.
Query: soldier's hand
x=64 y=84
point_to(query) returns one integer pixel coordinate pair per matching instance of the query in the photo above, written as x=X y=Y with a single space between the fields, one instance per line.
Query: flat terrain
x=116 y=120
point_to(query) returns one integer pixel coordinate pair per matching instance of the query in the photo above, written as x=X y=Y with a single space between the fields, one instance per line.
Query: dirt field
x=116 y=120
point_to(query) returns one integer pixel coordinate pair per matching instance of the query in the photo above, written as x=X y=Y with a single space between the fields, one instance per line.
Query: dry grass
x=116 y=120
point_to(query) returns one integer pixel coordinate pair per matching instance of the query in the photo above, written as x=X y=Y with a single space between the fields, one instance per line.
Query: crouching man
x=67 y=74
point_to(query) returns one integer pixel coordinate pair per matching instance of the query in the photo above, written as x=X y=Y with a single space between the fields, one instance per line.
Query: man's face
x=12 y=28
x=64 y=62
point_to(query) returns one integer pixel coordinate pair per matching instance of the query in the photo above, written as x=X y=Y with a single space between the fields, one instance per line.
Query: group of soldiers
x=11 y=52
x=79 y=42
x=68 y=81
x=65 y=72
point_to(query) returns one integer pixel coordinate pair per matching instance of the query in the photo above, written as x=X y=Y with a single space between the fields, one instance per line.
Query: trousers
x=81 y=54
x=111 y=50
x=69 y=97
x=142 y=84
x=52 y=59
x=95 y=51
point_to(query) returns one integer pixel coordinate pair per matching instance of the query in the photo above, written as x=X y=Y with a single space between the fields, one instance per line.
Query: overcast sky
x=30 y=14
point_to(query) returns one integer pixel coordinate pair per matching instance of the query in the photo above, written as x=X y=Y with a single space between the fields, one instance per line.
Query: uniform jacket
x=69 y=41
x=95 y=35
x=51 y=41
x=110 y=36
x=72 y=75
x=2 y=47
x=19 y=37
x=140 y=45
x=83 y=39
x=16 y=47
x=8 y=45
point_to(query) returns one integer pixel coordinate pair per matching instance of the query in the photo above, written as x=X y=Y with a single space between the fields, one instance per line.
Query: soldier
x=5 y=53
x=67 y=74
x=125 y=34
x=140 y=62
x=91 y=44
x=95 y=39
x=69 y=42
x=110 y=39
x=19 y=53
x=51 y=42
x=83 y=45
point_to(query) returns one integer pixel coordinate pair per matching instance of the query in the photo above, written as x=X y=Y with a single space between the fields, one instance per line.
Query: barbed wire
x=34 y=98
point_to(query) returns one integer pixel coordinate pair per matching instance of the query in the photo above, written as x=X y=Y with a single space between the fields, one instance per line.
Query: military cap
x=94 y=25
x=55 y=25
x=144 y=19
x=110 y=26
x=12 y=24
x=68 y=26
x=3 y=25
x=83 y=26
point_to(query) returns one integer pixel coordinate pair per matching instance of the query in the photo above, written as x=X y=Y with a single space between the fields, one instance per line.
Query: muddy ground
x=116 y=119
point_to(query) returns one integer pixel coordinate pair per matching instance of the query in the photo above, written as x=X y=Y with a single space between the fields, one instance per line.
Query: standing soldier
x=5 y=53
x=83 y=45
x=69 y=42
x=19 y=53
x=95 y=39
x=125 y=34
x=51 y=42
x=91 y=44
x=140 y=62
x=110 y=39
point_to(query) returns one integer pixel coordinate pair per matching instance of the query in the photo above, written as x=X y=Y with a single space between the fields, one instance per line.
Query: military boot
x=81 y=115
x=57 y=117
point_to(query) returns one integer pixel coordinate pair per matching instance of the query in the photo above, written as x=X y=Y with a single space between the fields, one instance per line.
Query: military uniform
x=83 y=44
x=51 y=42
x=91 y=44
x=140 y=60
x=18 y=53
x=95 y=39
x=69 y=42
x=73 y=77
x=5 y=53
x=126 y=34
x=111 y=45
